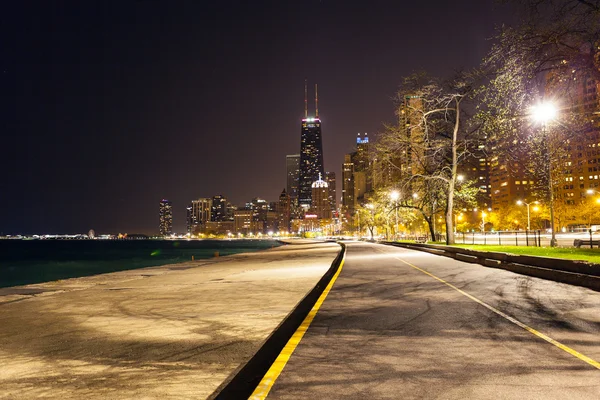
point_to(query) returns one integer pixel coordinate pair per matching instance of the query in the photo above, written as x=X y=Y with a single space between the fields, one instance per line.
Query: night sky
x=107 y=107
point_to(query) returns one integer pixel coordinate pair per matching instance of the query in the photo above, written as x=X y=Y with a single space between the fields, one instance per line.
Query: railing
x=506 y=238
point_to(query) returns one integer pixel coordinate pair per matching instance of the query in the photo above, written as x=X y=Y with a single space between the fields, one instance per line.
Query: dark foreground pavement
x=390 y=331
x=171 y=332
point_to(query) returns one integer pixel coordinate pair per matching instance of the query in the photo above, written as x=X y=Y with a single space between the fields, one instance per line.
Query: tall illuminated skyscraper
x=311 y=152
x=165 y=213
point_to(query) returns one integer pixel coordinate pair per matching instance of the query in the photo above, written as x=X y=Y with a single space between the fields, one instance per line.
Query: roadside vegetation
x=590 y=255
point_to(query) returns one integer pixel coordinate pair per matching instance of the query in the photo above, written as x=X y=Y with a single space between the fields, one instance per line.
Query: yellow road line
x=267 y=382
x=548 y=339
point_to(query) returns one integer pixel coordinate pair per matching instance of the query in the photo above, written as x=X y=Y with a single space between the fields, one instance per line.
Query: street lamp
x=544 y=113
x=483 y=214
x=457 y=217
x=520 y=202
x=395 y=195
x=592 y=191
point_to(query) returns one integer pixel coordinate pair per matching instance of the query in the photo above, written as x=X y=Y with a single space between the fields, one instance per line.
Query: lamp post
x=395 y=195
x=520 y=202
x=592 y=191
x=544 y=113
x=457 y=217
x=483 y=214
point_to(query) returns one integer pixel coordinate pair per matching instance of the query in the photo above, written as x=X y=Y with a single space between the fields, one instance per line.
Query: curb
x=569 y=275
x=242 y=382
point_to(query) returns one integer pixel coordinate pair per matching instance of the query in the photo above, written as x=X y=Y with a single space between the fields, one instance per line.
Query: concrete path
x=170 y=332
x=389 y=330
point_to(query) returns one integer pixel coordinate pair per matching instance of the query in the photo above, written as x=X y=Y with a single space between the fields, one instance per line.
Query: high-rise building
x=348 y=187
x=191 y=222
x=284 y=211
x=357 y=176
x=578 y=169
x=320 y=199
x=165 y=213
x=408 y=161
x=245 y=223
x=330 y=179
x=292 y=166
x=219 y=208
x=311 y=152
x=199 y=212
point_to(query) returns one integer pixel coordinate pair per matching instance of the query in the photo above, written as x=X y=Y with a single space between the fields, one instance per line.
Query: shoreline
x=67 y=259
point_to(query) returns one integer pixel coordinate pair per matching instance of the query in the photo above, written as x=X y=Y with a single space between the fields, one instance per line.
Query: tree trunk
x=450 y=239
x=429 y=220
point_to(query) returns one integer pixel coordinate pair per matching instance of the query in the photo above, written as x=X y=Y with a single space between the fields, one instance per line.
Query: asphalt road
x=388 y=330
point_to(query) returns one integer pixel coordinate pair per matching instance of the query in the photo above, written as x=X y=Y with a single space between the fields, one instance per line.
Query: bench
x=421 y=239
x=586 y=242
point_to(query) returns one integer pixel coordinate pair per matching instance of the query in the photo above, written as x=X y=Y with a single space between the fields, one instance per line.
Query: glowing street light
x=592 y=191
x=520 y=202
x=457 y=217
x=544 y=113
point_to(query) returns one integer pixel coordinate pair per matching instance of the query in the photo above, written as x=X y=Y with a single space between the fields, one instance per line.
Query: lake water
x=34 y=261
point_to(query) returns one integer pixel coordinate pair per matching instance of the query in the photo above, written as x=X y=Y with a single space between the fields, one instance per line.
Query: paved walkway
x=170 y=332
x=404 y=324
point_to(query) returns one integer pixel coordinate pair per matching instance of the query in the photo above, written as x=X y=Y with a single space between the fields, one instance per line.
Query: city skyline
x=105 y=117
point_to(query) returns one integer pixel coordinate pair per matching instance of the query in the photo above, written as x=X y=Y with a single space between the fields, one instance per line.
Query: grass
x=590 y=255
x=567 y=253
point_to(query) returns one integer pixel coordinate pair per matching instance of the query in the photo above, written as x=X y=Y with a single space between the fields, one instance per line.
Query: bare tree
x=421 y=154
x=549 y=56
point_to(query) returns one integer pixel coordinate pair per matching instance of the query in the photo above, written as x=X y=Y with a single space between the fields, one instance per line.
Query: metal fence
x=506 y=238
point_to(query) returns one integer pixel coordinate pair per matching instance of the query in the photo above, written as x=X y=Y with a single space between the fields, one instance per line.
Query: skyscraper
x=320 y=199
x=292 y=166
x=356 y=176
x=348 y=187
x=219 y=208
x=165 y=214
x=283 y=211
x=199 y=212
x=330 y=179
x=311 y=152
x=191 y=222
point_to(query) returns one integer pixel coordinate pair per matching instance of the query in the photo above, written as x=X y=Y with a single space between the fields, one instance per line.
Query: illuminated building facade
x=284 y=211
x=165 y=213
x=357 y=177
x=292 y=166
x=330 y=179
x=348 y=205
x=311 y=153
x=320 y=199
x=219 y=211
x=245 y=223
x=199 y=212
